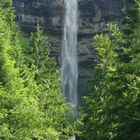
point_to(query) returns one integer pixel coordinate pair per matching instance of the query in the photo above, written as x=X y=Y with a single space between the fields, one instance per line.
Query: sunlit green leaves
x=31 y=103
x=111 y=111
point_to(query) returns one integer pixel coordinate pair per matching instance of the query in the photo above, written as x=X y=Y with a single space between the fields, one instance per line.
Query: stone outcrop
x=93 y=16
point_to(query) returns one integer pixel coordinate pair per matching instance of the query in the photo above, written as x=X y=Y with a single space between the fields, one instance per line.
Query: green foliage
x=111 y=111
x=57 y=112
x=105 y=79
x=32 y=106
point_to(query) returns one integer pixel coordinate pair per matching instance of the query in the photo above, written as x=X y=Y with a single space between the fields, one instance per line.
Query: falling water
x=69 y=52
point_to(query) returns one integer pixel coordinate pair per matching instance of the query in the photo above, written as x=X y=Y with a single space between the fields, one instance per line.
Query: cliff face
x=93 y=16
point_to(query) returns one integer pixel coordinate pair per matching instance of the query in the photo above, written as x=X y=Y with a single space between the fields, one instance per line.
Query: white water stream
x=69 y=52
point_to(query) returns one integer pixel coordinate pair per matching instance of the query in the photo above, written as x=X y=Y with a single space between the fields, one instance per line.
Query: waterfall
x=69 y=52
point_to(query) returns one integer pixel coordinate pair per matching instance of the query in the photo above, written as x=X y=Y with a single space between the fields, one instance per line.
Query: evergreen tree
x=112 y=108
x=47 y=76
x=31 y=104
x=20 y=115
x=100 y=102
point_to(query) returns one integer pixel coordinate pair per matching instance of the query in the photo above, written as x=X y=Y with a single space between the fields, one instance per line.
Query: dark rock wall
x=47 y=13
x=93 y=16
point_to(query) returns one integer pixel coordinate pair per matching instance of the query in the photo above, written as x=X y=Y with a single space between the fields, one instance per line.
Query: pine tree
x=100 y=102
x=58 y=112
x=22 y=114
x=112 y=108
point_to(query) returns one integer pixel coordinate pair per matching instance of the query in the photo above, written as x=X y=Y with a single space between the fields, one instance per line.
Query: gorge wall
x=93 y=16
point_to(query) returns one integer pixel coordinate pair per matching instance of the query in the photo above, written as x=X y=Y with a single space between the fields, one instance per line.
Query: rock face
x=93 y=16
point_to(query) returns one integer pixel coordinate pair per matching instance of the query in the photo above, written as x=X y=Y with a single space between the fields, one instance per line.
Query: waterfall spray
x=69 y=52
